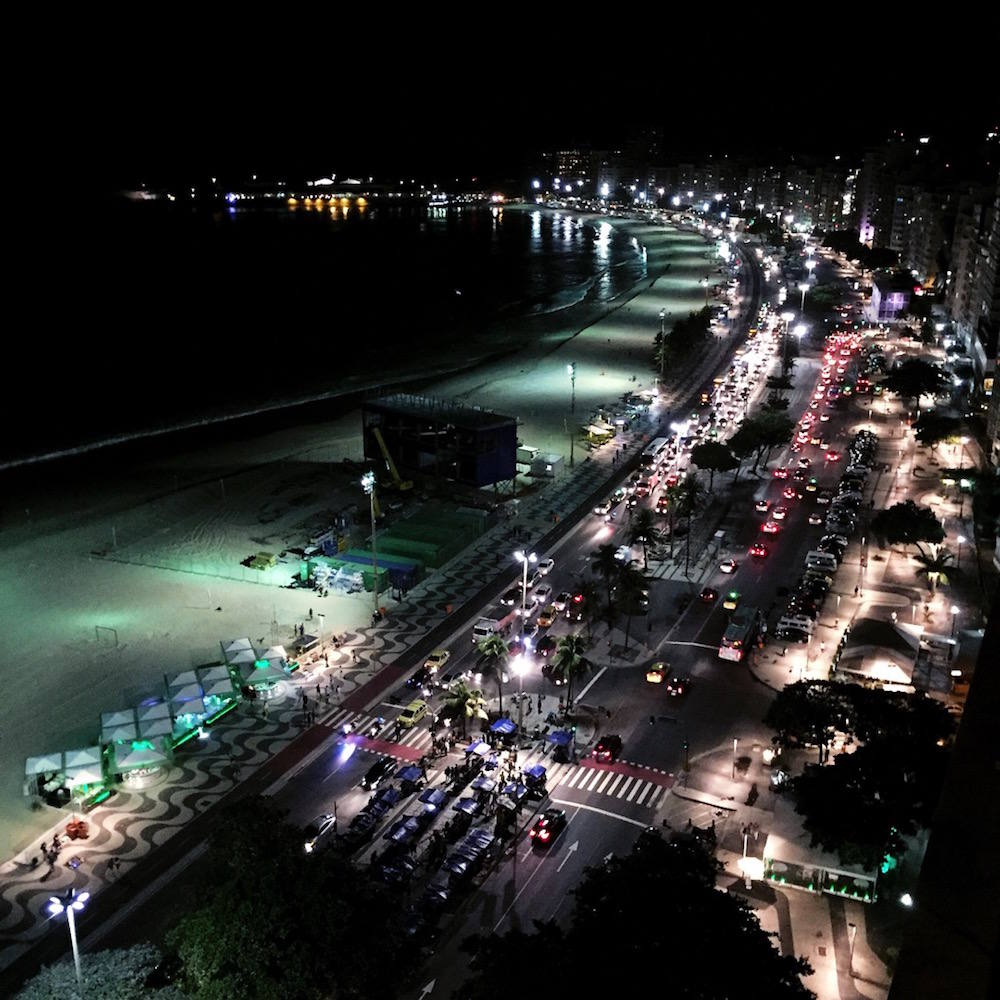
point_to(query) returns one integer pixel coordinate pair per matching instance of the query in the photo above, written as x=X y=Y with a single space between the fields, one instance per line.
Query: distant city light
x=676 y=200
x=605 y=190
x=536 y=184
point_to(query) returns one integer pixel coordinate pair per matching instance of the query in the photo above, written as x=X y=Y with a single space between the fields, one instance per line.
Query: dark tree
x=933 y=428
x=659 y=900
x=713 y=457
x=276 y=923
x=907 y=523
x=913 y=378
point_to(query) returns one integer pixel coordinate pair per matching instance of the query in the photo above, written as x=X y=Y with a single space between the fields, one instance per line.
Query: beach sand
x=206 y=509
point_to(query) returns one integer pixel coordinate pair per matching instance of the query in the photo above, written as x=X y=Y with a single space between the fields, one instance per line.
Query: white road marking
x=614 y=784
x=635 y=788
x=625 y=784
x=603 y=812
x=607 y=778
x=597 y=777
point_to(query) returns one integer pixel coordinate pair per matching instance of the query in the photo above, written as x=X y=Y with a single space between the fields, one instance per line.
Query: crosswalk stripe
x=635 y=788
x=656 y=794
x=597 y=777
x=645 y=792
x=607 y=778
x=614 y=784
x=627 y=782
x=576 y=777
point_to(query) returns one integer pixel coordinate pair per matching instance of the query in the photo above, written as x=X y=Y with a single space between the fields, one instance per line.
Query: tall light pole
x=961 y=541
x=787 y=316
x=571 y=371
x=69 y=903
x=368 y=485
x=704 y=284
x=663 y=342
x=736 y=743
x=524 y=559
x=803 y=288
x=810 y=266
x=954 y=614
x=520 y=667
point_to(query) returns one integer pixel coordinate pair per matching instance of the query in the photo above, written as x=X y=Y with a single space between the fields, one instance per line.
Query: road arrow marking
x=429 y=988
x=569 y=853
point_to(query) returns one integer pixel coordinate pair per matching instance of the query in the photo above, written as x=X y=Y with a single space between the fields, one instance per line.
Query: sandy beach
x=200 y=513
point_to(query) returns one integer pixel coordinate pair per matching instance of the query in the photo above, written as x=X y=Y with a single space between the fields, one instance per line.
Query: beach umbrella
x=504 y=726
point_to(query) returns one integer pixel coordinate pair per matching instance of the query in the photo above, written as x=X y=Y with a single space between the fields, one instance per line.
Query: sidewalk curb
x=695 y=795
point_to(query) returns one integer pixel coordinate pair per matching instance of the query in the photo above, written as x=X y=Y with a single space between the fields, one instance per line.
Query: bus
x=739 y=634
x=655 y=452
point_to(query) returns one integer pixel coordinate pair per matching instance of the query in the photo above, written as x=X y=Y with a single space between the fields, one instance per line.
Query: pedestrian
x=540 y=697
x=354 y=656
x=319 y=691
x=44 y=848
x=855 y=591
x=56 y=844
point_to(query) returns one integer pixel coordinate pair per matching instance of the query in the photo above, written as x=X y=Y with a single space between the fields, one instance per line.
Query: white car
x=530 y=606
x=729 y=566
x=319 y=830
x=545 y=566
x=543 y=593
x=561 y=600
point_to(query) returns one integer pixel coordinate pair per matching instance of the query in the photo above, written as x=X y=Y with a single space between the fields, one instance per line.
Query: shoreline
x=539 y=335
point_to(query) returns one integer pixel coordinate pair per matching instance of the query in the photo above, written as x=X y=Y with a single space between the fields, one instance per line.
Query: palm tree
x=631 y=584
x=494 y=649
x=645 y=532
x=690 y=500
x=568 y=662
x=603 y=561
x=587 y=589
x=935 y=565
x=463 y=702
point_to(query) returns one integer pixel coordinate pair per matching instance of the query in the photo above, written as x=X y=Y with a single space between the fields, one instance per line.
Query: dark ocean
x=156 y=314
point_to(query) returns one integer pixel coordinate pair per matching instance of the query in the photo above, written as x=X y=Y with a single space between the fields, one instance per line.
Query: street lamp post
x=520 y=666
x=787 y=317
x=961 y=541
x=954 y=616
x=803 y=288
x=368 y=485
x=524 y=559
x=663 y=343
x=852 y=933
x=735 y=745
x=69 y=903
x=571 y=371
x=704 y=284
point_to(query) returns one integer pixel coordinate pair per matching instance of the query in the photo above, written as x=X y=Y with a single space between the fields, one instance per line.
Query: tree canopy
x=279 y=924
x=933 y=428
x=114 y=974
x=907 y=523
x=713 y=457
x=658 y=900
x=913 y=378
x=867 y=800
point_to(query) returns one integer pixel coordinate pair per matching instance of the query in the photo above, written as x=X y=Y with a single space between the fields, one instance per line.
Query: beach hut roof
x=155 y=727
x=157 y=710
x=83 y=757
x=233 y=645
x=40 y=765
x=184 y=677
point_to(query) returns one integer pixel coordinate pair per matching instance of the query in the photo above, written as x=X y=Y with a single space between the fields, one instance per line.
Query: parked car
x=319 y=831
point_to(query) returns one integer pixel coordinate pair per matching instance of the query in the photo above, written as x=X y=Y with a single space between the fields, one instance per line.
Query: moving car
x=561 y=600
x=412 y=714
x=608 y=747
x=762 y=506
x=378 y=772
x=815 y=518
x=708 y=595
x=319 y=831
x=758 y=550
x=511 y=596
x=656 y=673
x=437 y=660
x=780 y=513
x=543 y=593
x=729 y=565
x=678 y=686
x=546 y=645
x=732 y=601
x=547 y=615
x=545 y=566
x=547 y=827
x=770 y=527
x=604 y=507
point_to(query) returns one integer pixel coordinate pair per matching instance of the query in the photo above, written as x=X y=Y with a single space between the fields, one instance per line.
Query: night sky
x=165 y=104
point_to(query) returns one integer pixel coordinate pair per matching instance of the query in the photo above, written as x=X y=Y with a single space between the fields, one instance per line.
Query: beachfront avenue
x=663 y=738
